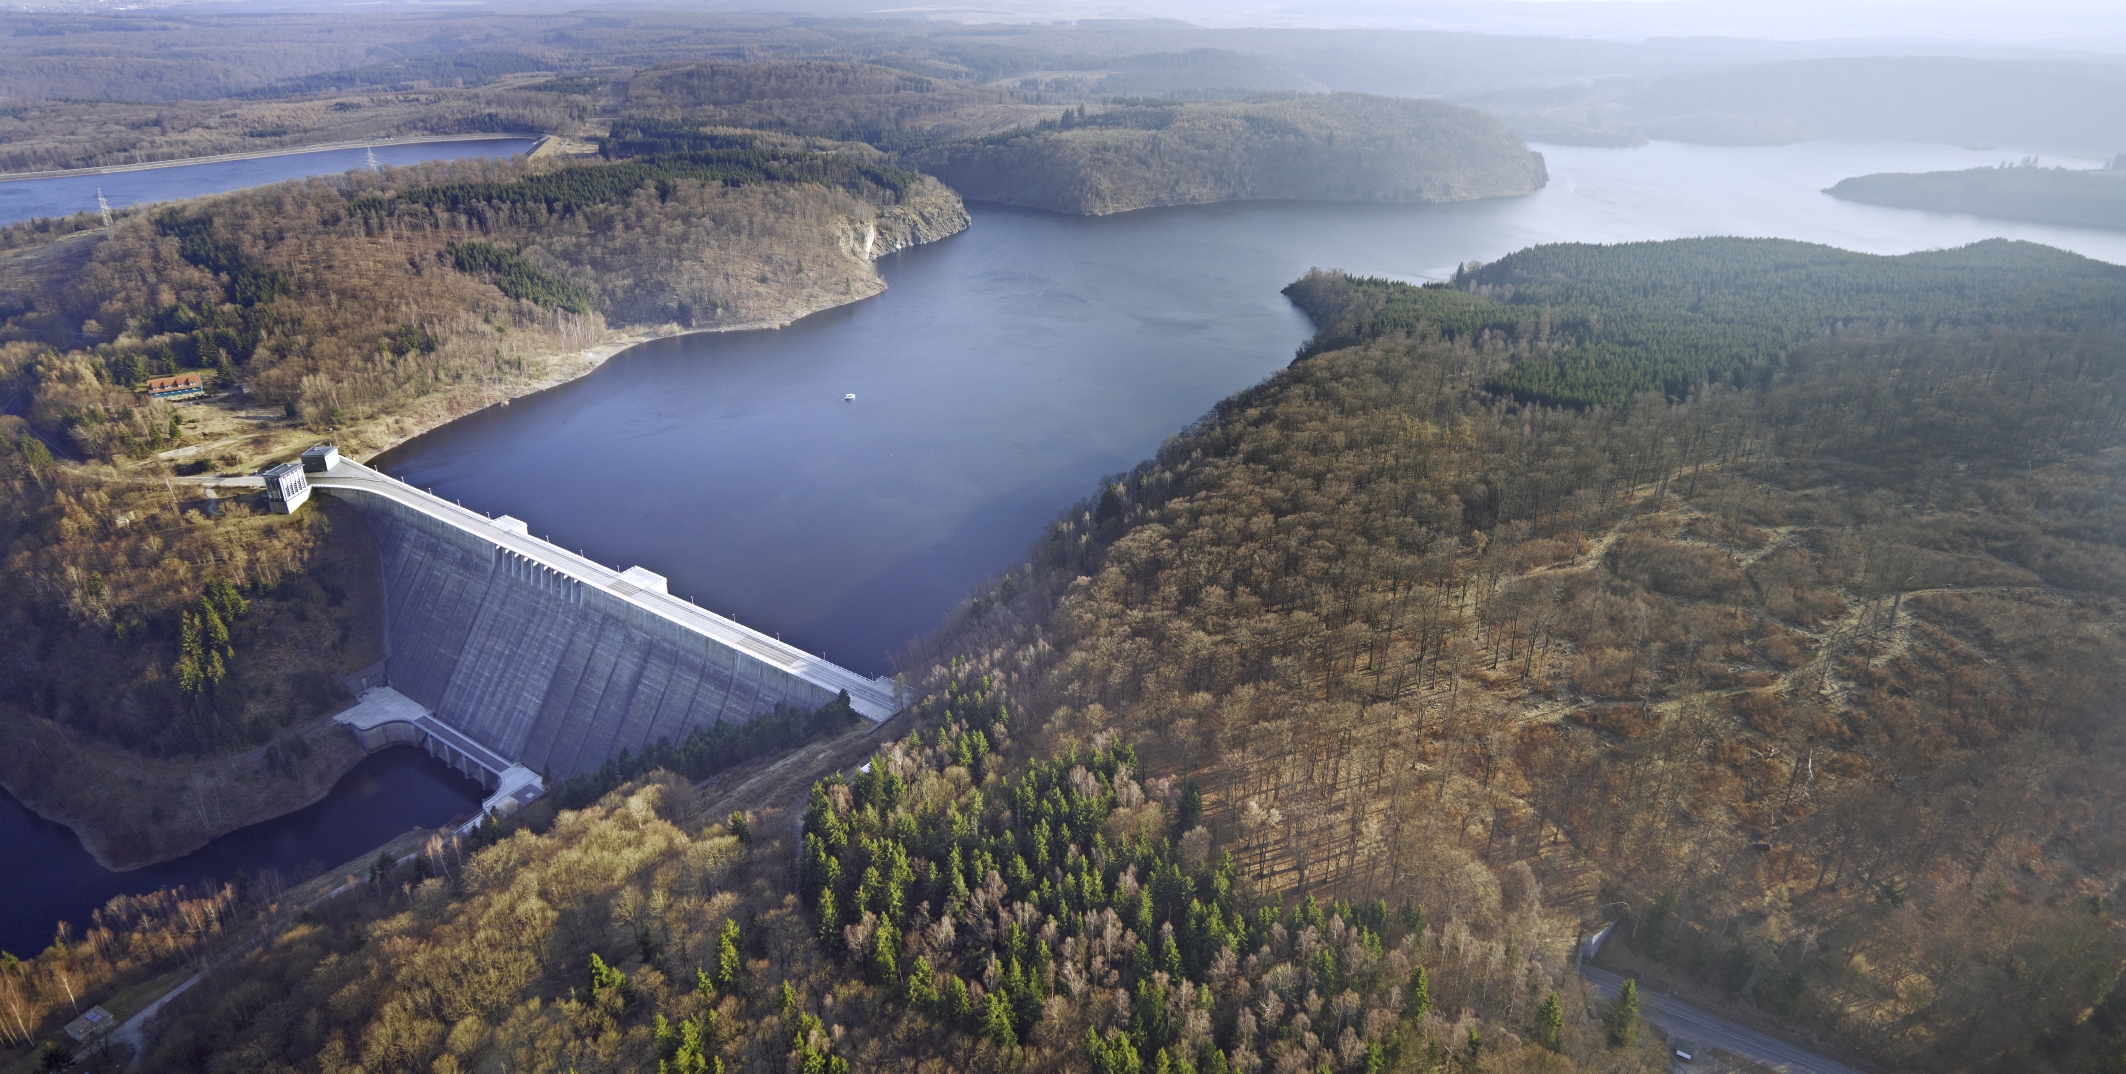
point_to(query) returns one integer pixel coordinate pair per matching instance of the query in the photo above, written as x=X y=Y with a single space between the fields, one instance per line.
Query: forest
x=185 y=648
x=372 y=302
x=363 y=308
x=2074 y=197
x=1315 y=741
x=1605 y=323
x=1334 y=147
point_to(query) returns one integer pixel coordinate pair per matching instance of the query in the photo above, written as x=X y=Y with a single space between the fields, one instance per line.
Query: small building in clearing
x=181 y=386
x=92 y=1024
x=286 y=488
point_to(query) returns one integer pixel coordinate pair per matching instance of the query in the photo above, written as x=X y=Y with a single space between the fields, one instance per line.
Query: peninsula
x=2073 y=197
x=1321 y=147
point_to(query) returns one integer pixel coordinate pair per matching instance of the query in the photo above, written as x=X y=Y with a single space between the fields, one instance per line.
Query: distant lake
x=66 y=195
x=1004 y=371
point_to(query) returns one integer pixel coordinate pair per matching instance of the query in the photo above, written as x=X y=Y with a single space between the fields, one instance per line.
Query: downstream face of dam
x=550 y=662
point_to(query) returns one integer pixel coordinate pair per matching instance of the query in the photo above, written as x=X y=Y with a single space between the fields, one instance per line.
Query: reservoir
x=1007 y=368
x=1002 y=374
x=66 y=195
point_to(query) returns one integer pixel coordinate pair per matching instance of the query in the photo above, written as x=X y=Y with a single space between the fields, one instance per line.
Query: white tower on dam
x=510 y=650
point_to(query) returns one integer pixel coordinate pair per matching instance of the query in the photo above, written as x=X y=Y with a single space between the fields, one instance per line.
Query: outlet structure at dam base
x=511 y=658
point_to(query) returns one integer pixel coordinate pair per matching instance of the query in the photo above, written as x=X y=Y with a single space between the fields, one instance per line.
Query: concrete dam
x=509 y=656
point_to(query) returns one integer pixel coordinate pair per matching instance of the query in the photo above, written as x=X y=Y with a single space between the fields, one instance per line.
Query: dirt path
x=778 y=789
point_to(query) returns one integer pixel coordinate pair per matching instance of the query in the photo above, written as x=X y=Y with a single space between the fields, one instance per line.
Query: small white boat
x=849 y=398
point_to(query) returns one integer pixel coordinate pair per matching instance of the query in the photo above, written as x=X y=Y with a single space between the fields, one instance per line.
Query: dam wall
x=551 y=661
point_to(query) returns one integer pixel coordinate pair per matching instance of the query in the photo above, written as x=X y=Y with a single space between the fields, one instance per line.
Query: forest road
x=1708 y=1030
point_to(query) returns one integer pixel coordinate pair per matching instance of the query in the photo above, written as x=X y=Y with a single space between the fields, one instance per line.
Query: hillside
x=2043 y=195
x=51 y=135
x=362 y=308
x=1313 y=742
x=1955 y=100
x=1335 y=147
x=855 y=101
x=375 y=303
x=1605 y=323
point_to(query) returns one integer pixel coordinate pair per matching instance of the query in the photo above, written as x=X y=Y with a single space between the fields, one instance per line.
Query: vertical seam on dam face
x=549 y=660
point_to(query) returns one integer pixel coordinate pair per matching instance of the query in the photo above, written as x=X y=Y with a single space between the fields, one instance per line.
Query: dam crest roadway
x=516 y=660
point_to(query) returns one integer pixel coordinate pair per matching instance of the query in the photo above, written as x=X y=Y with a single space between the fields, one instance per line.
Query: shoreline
x=312 y=787
x=571 y=366
x=563 y=367
x=262 y=154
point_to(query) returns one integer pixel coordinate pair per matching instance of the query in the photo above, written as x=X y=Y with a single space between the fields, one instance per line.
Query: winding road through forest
x=1684 y=1022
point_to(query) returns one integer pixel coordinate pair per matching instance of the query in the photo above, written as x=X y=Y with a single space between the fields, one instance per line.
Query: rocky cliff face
x=929 y=212
x=1331 y=147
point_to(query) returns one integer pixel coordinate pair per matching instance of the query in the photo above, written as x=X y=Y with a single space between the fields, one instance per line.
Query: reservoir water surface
x=65 y=195
x=1002 y=374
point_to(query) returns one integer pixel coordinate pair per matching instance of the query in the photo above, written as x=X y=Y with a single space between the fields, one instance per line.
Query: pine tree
x=604 y=977
x=922 y=986
x=1419 y=1000
x=1550 y=1024
x=996 y=1022
x=214 y=634
x=830 y=922
x=1622 y=1018
x=729 y=964
x=886 y=955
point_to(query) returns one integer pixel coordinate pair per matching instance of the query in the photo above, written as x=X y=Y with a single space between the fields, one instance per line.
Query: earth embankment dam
x=547 y=661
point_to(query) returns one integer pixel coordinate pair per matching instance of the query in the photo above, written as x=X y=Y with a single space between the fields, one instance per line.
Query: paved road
x=1704 y=1028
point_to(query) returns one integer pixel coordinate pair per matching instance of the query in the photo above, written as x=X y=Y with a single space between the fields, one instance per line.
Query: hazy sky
x=2077 y=24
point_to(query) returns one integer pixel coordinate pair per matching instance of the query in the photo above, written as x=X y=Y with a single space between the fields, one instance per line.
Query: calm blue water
x=1007 y=368
x=1003 y=373
x=63 y=196
x=387 y=794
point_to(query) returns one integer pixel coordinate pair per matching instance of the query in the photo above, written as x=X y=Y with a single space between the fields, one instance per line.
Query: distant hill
x=1332 y=147
x=1201 y=73
x=2044 y=195
x=1917 y=98
x=855 y=101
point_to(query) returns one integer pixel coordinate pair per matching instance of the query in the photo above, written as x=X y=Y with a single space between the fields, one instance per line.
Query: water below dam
x=1004 y=371
x=383 y=796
